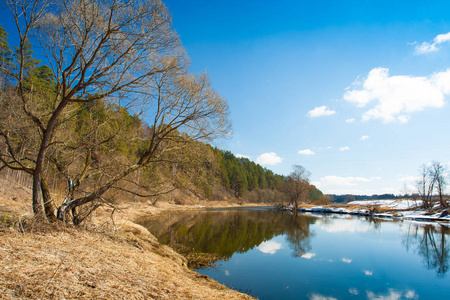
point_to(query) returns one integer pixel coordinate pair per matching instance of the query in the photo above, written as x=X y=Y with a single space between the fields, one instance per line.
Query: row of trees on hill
x=241 y=174
x=108 y=65
x=112 y=110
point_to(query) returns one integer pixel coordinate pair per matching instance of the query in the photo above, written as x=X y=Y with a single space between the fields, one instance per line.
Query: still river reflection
x=277 y=255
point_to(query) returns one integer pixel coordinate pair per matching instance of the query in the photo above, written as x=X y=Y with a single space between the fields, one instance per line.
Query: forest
x=112 y=112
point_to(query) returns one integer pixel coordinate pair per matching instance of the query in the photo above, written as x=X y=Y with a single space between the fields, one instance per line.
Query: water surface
x=277 y=255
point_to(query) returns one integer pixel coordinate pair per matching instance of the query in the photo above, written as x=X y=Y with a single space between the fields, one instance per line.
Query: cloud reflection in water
x=269 y=247
x=392 y=295
x=308 y=255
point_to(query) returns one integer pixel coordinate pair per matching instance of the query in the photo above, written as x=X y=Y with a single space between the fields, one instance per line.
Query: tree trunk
x=72 y=204
x=49 y=207
x=442 y=200
x=38 y=205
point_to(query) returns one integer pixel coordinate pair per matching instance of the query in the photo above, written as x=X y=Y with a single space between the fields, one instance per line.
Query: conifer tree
x=6 y=58
x=25 y=54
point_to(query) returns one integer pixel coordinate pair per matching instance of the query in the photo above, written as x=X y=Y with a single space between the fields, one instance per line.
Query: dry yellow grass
x=110 y=258
x=75 y=264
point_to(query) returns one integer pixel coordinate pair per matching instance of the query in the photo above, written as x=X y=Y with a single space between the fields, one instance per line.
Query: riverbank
x=390 y=209
x=109 y=257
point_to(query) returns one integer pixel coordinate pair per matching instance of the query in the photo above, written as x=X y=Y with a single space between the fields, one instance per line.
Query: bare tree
x=439 y=174
x=425 y=187
x=120 y=51
x=432 y=178
x=297 y=185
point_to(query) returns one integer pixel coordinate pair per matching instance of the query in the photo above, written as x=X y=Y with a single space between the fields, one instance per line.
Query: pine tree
x=6 y=58
x=29 y=62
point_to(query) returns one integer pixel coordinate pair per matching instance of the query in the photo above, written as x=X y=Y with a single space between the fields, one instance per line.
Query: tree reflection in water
x=229 y=231
x=298 y=235
x=430 y=242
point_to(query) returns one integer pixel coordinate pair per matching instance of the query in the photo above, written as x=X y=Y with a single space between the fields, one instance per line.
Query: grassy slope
x=106 y=260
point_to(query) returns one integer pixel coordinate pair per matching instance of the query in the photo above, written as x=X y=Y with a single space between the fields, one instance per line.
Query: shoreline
x=109 y=257
x=385 y=209
x=113 y=251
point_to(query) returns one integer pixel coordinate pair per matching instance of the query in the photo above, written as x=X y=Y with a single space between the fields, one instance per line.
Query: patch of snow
x=402 y=208
x=384 y=215
x=393 y=204
x=372 y=202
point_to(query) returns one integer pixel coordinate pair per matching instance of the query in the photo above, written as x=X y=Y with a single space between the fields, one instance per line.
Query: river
x=278 y=255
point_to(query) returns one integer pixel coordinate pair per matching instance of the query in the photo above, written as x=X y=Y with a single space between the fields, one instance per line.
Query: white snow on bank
x=400 y=204
x=402 y=208
x=371 y=202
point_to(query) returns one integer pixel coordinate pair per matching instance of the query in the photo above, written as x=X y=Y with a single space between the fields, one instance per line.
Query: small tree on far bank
x=439 y=175
x=323 y=200
x=425 y=187
x=433 y=178
x=297 y=185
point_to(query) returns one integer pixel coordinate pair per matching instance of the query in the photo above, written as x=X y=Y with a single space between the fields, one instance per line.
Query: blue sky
x=355 y=91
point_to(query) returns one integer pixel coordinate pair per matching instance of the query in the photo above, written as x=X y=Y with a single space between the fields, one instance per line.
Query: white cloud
x=442 y=38
x=346 y=260
x=321 y=111
x=425 y=47
x=368 y=273
x=308 y=255
x=344 y=181
x=242 y=156
x=344 y=148
x=345 y=226
x=351 y=120
x=394 y=98
x=269 y=158
x=403 y=119
x=269 y=247
x=348 y=185
x=320 y=297
x=306 y=152
x=411 y=295
x=392 y=295
x=353 y=291
x=364 y=137
x=408 y=178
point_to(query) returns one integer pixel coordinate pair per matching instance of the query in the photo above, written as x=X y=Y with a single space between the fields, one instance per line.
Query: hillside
x=108 y=258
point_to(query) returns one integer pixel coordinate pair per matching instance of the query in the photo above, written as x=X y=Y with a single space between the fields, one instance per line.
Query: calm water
x=276 y=255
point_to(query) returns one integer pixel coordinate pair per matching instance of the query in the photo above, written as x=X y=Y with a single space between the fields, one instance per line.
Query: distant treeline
x=349 y=197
